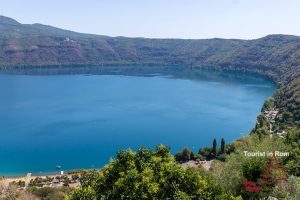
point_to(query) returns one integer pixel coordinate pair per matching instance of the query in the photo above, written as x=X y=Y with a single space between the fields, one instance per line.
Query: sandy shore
x=28 y=178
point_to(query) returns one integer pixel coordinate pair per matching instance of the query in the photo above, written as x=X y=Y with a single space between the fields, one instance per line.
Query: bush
x=47 y=193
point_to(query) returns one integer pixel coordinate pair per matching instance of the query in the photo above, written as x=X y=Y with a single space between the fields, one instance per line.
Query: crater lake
x=82 y=120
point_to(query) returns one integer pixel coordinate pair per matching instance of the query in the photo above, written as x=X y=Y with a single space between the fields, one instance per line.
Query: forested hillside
x=40 y=45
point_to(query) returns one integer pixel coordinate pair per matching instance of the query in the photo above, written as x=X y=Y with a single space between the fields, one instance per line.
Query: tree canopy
x=147 y=174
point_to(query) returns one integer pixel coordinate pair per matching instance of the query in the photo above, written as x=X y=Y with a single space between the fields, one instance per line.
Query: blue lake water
x=79 y=121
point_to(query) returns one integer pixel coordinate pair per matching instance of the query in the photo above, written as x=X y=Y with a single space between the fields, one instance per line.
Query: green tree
x=269 y=104
x=88 y=177
x=287 y=118
x=83 y=193
x=292 y=162
x=214 y=148
x=186 y=154
x=66 y=181
x=222 y=146
x=261 y=121
x=192 y=156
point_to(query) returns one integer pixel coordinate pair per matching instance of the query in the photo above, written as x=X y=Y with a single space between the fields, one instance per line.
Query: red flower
x=250 y=186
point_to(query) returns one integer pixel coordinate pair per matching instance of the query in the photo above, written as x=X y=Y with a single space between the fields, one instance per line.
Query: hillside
x=277 y=56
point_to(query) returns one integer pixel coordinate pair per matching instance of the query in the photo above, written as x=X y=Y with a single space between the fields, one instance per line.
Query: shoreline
x=20 y=175
x=30 y=176
x=44 y=174
x=27 y=179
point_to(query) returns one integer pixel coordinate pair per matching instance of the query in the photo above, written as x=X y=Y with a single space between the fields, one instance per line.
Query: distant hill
x=277 y=56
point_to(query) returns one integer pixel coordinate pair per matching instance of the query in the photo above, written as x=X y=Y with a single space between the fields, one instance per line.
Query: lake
x=80 y=121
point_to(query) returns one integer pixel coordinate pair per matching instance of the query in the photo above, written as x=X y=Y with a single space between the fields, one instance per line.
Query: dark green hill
x=277 y=56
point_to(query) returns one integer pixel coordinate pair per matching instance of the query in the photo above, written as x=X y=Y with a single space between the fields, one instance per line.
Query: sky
x=190 y=19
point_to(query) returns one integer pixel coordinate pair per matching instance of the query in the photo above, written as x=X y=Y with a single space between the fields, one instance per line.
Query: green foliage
x=222 y=146
x=239 y=167
x=288 y=100
x=287 y=118
x=261 y=121
x=66 y=181
x=181 y=196
x=213 y=152
x=262 y=131
x=252 y=168
x=18 y=183
x=268 y=104
x=229 y=148
x=214 y=148
x=83 y=193
x=48 y=193
x=87 y=177
x=292 y=163
x=147 y=174
x=74 y=177
x=185 y=155
x=206 y=153
x=289 y=190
